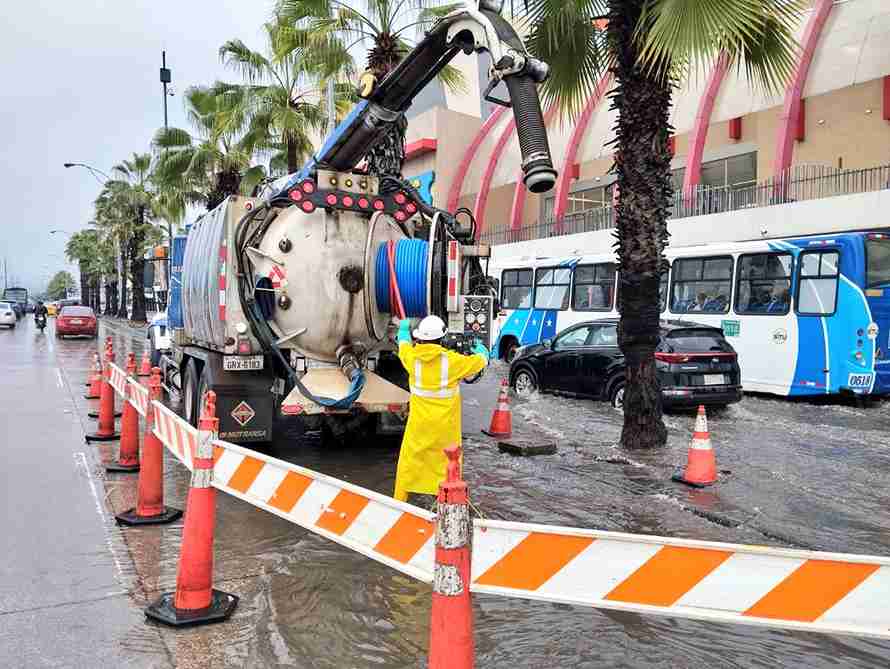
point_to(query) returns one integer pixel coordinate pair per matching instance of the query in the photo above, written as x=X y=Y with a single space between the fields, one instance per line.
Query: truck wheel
x=190 y=393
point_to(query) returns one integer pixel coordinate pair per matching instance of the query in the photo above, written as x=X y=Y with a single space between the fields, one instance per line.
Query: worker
x=434 y=374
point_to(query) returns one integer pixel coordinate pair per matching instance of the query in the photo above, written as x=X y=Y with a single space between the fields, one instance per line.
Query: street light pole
x=166 y=78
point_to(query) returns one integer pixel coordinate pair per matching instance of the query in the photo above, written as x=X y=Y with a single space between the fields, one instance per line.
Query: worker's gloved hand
x=404 y=334
x=479 y=349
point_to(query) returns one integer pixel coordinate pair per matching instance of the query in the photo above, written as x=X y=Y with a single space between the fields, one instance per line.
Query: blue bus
x=807 y=315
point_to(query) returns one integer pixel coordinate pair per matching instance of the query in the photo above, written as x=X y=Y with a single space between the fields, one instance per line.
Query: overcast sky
x=80 y=84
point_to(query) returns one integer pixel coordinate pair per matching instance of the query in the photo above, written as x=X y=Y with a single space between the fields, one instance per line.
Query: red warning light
x=308 y=206
x=363 y=202
x=296 y=195
x=411 y=208
x=400 y=198
x=308 y=187
x=331 y=199
x=348 y=201
x=400 y=216
x=378 y=205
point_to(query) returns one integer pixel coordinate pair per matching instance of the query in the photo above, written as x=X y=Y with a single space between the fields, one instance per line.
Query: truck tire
x=190 y=381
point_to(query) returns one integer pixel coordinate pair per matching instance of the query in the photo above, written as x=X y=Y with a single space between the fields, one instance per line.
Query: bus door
x=877 y=293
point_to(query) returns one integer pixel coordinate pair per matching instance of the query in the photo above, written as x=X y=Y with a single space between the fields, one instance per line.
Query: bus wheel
x=510 y=351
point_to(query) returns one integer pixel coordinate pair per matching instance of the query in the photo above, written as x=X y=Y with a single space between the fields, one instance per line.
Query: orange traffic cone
x=701 y=465
x=145 y=368
x=106 y=404
x=502 y=418
x=150 y=509
x=116 y=413
x=96 y=379
x=128 y=454
x=451 y=616
x=195 y=601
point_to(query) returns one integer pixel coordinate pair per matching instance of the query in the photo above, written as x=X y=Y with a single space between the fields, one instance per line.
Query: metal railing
x=801 y=182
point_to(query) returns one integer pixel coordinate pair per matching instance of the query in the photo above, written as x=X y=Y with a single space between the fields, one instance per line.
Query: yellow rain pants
x=434 y=375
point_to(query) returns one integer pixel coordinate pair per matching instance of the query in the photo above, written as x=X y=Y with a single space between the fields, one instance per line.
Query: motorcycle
x=40 y=321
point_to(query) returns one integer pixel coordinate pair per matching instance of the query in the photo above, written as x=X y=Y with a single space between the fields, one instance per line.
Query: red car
x=76 y=321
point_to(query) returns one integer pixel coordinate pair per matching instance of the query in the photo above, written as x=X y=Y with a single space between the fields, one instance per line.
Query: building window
x=581 y=200
x=735 y=172
x=516 y=289
x=817 y=289
x=764 y=283
x=594 y=287
x=701 y=284
x=552 y=288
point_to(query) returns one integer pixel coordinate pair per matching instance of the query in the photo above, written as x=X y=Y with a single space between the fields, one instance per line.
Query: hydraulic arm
x=469 y=29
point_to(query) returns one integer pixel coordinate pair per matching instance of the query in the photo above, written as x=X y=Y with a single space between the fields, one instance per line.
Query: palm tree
x=649 y=45
x=384 y=29
x=83 y=248
x=280 y=105
x=210 y=166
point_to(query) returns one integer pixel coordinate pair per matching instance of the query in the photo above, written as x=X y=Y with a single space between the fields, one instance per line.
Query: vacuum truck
x=286 y=304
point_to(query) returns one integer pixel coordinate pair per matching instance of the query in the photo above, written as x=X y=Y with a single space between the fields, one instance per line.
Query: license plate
x=859 y=381
x=76 y=321
x=241 y=363
x=714 y=379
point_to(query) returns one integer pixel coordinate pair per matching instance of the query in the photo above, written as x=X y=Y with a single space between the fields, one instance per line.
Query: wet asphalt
x=73 y=585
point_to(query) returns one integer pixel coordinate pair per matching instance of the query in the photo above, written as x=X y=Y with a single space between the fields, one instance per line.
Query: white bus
x=807 y=315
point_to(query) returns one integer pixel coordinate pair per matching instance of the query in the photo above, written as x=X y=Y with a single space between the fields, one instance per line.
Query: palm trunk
x=292 y=164
x=137 y=269
x=642 y=163
x=122 y=273
x=84 y=284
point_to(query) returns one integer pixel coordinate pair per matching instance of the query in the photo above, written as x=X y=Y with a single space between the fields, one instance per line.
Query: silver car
x=7 y=315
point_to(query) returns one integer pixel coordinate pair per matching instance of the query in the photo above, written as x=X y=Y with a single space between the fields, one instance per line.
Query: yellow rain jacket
x=434 y=375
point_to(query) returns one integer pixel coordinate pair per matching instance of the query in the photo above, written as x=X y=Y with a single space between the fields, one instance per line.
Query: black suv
x=696 y=365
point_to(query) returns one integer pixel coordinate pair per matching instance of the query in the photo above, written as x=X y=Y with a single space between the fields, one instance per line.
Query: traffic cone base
x=131 y=519
x=121 y=469
x=95 y=414
x=90 y=438
x=222 y=605
x=502 y=418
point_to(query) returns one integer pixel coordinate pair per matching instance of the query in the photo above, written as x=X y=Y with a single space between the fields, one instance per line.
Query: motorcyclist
x=434 y=375
x=40 y=310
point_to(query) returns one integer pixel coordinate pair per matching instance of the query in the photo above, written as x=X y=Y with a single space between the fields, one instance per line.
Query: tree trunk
x=122 y=273
x=292 y=165
x=642 y=164
x=227 y=183
x=137 y=269
x=387 y=156
x=95 y=293
x=110 y=298
x=84 y=285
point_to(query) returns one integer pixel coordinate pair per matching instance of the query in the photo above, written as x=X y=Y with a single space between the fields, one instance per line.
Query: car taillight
x=244 y=346
x=671 y=358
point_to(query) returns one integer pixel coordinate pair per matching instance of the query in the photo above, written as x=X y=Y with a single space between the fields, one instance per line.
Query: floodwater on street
x=803 y=474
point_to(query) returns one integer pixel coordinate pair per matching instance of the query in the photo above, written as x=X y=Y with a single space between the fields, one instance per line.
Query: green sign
x=731 y=328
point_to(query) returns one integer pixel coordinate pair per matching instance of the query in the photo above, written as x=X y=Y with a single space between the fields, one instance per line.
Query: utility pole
x=166 y=78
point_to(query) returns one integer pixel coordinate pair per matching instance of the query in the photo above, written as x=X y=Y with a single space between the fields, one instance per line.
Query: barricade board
x=755 y=585
x=117 y=379
x=396 y=534
x=138 y=397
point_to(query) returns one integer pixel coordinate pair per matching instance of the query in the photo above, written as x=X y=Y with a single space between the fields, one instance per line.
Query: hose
x=537 y=165
x=409 y=260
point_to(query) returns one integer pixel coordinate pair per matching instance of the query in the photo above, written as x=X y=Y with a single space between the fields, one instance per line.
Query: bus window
x=763 y=285
x=817 y=289
x=877 y=258
x=516 y=289
x=594 y=287
x=701 y=284
x=552 y=285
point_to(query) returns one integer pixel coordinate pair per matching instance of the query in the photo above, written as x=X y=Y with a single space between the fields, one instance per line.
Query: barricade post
x=128 y=454
x=150 y=509
x=195 y=601
x=95 y=383
x=451 y=618
x=105 y=432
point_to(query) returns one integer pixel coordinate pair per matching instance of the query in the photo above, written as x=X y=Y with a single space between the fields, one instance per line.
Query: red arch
x=520 y=193
x=791 y=106
x=485 y=186
x=565 y=176
x=457 y=183
x=699 y=135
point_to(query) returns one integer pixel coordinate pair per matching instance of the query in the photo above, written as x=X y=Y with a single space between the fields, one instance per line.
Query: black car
x=696 y=365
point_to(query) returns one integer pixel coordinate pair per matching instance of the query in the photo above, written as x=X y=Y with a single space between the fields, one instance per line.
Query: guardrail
x=800 y=183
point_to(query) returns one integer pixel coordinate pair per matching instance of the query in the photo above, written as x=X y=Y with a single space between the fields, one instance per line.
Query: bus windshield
x=877 y=254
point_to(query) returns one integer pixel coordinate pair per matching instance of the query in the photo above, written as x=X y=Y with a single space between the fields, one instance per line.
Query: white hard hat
x=430 y=329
